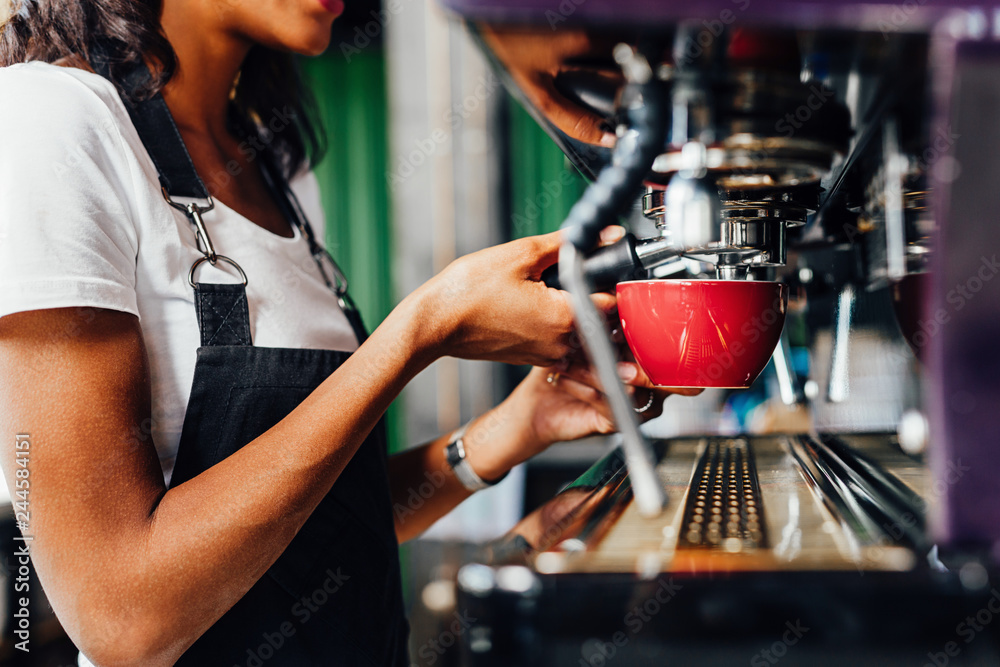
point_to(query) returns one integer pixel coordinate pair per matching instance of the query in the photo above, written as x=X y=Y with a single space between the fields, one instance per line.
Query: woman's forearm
x=424 y=487
x=162 y=566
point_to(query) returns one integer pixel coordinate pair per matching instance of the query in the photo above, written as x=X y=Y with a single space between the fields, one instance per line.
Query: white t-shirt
x=83 y=224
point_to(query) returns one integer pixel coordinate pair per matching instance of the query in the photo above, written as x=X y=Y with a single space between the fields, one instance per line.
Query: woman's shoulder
x=45 y=78
x=68 y=193
x=43 y=99
x=61 y=121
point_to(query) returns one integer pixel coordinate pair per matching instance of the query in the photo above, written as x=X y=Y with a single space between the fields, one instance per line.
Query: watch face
x=453 y=454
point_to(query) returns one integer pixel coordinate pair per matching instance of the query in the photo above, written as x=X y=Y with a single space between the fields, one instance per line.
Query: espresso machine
x=844 y=148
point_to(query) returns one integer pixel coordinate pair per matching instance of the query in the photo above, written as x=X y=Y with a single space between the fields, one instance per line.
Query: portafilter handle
x=627 y=259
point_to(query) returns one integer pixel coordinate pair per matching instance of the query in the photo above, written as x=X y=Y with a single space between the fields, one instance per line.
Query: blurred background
x=429 y=159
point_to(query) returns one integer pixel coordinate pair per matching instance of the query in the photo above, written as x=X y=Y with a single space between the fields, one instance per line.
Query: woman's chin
x=315 y=44
x=304 y=47
x=314 y=49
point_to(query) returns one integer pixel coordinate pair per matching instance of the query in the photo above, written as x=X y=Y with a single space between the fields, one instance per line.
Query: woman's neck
x=208 y=60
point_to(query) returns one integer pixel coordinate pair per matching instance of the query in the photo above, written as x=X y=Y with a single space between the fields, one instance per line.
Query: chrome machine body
x=842 y=147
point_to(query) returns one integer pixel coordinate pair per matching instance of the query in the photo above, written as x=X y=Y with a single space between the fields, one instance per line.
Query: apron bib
x=334 y=596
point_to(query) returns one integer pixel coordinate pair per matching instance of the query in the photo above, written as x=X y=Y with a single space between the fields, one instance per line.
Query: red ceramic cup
x=702 y=333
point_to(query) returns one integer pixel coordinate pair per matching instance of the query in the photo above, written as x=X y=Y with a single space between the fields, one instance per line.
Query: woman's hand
x=492 y=305
x=570 y=403
x=555 y=404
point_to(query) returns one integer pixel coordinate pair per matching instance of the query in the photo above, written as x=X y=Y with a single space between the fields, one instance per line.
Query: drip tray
x=724 y=508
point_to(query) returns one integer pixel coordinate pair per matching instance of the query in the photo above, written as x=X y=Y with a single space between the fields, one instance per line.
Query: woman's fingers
x=541 y=252
x=612 y=234
x=586 y=394
x=684 y=391
x=605 y=302
x=648 y=403
x=580 y=371
x=631 y=373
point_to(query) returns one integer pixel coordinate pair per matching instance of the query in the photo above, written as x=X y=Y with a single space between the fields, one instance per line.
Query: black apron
x=334 y=597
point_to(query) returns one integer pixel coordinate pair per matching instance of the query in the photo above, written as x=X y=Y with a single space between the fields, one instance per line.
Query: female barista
x=200 y=462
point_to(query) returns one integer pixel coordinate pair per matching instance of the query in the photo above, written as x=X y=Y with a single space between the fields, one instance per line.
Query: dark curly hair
x=129 y=32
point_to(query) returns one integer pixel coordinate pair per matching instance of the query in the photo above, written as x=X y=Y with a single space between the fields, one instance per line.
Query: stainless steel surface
x=692 y=211
x=789 y=385
x=813 y=509
x=654 y=253
x=842 y=549
x=751 y=161
x=840 y=379
x=729 y=203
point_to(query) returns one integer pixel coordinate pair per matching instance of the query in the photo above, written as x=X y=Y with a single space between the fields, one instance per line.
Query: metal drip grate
x=723 y=509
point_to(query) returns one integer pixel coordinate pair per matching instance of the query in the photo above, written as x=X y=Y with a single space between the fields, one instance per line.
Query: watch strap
x=456 y=456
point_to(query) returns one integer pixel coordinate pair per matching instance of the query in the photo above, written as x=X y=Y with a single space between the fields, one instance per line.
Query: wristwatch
x=455 y=454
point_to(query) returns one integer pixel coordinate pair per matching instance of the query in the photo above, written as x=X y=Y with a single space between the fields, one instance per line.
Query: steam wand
x=602 y=201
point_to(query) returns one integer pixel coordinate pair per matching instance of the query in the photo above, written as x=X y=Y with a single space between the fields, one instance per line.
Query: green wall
x=544 y=185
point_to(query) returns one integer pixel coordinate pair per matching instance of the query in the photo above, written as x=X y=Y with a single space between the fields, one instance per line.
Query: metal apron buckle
x=204 y=242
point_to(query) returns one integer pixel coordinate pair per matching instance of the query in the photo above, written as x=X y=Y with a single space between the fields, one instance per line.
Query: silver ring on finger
x=648 y=405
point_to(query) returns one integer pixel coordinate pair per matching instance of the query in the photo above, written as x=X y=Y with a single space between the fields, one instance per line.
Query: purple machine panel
x=963 y=379
x=807 y=13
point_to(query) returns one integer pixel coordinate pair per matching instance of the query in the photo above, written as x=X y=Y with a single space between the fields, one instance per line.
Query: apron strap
x=156 y=128
x=179 y=178
x=223 y=316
